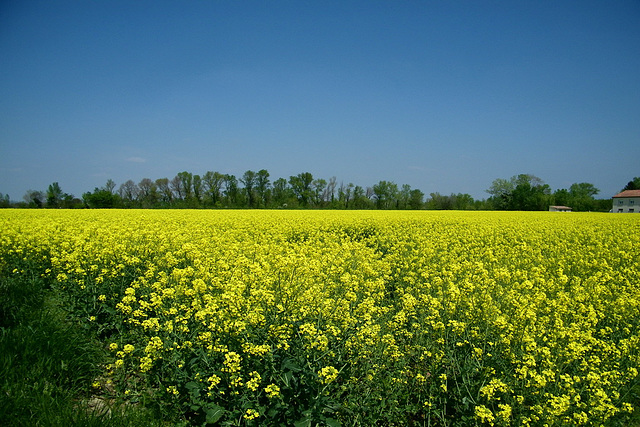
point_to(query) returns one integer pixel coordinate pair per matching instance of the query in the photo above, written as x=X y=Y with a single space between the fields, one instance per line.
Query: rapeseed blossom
x=505 y=318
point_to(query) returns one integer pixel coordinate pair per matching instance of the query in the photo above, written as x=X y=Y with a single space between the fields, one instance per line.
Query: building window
x=620 y=202
x=630 y=210
x=631 y=202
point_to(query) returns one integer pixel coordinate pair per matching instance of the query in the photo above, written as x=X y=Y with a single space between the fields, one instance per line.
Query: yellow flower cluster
x=523 y=318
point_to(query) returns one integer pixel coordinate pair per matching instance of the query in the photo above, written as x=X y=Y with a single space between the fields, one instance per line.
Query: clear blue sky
x=445 y=96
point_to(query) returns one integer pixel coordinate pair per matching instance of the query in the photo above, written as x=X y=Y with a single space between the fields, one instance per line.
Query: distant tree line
x=255 y=190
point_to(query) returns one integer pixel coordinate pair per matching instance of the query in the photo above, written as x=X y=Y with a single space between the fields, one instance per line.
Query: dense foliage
x=353 y=318
x=255 y=190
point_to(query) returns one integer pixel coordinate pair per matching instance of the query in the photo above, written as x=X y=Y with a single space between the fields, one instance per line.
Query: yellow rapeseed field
x=351 y=317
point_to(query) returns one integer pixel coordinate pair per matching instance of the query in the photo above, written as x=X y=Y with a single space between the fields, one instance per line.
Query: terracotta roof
x=629 y=193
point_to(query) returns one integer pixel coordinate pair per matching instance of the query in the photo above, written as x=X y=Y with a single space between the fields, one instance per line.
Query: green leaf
x=214 y=413
x=191 y=385
x=331 y=422
x=302 y=422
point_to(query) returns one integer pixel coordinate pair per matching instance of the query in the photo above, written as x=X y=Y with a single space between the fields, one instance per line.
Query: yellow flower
x=254 y=381
x=328 y=374
x=272 y=390
x=251 y=414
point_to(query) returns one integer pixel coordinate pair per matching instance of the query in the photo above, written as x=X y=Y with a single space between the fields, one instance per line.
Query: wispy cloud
x=136 y=159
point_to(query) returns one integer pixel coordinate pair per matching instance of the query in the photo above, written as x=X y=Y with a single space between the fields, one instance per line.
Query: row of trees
x=529 y=193
x=255 y=190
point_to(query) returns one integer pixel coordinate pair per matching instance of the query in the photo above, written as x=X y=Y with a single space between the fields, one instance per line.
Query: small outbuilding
x=559 y=209
x=627 y=202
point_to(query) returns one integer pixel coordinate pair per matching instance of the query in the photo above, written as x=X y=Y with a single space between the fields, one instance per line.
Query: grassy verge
x=47 y=364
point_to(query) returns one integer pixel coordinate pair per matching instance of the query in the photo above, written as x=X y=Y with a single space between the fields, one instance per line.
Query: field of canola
x=350 y=318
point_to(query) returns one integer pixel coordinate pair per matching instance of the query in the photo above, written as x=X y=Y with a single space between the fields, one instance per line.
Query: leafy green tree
x=165 y=194
x=360 y=198
x=439 y=201
x=345 y=195
x=282 y=193
x=319 y=186
x=301 y=186
x=186 y=185
x=197 y=189
x=147 y=193
x=262 y=187
x=249 y=180
x=462 y=201
x=416 y=198
x=212 y=183
x=385 y=194
x=4 y=201
x=402 y=201
x=101 y=198
x=581 y=196
x=54 y=195
x=561 y=197
x=34 y=198
x=177 y=191
x=110 y=186
x=331 y=190
x=501 y=191
x=231 y=190
x=634 y=184
x=521 y=192
x=128 y=192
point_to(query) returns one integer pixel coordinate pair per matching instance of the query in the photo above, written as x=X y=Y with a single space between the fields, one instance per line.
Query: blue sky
x=445 y=96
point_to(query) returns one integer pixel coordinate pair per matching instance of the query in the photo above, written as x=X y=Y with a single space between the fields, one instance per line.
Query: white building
x=628 y=201
x=559 y=209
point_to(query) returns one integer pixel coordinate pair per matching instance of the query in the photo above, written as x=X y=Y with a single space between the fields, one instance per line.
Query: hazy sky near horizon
x=445 y=96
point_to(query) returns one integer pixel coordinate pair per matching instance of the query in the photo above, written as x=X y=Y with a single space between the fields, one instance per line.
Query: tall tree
x=301 y=186
x=581 y=196
x=415 y=199
x=561 y=197
x=385 y=193
x=403 y=196
x=54 y=195
x=186 y=185
x=101 y=198
x=361 y=197
x=282 y=193
x=128 y=192
x=110 y=186
x=231 y=190
x=34 y=198
x=197 y=189
x=148 y=193
x=521 y=192
x=501 y=191
x=249 y=181
x=438 y=201
x=345 y=194
x=262 y=186
x=212 y=182
x=164 y=190
x=176 y=188
x=5 y=201
x=319 y=185
x=331 y=190
x=634 y=184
